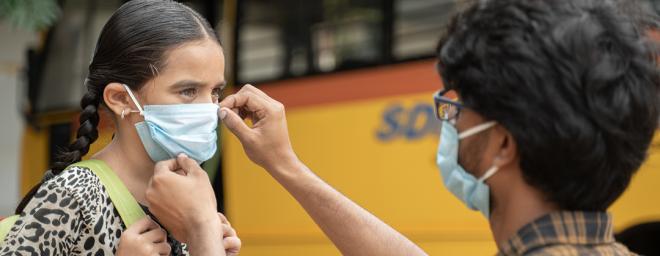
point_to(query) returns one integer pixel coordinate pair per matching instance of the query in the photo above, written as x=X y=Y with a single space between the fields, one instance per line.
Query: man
x=557 y=105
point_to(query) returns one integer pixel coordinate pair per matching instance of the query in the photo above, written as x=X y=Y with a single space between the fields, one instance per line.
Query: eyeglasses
x=446 y=109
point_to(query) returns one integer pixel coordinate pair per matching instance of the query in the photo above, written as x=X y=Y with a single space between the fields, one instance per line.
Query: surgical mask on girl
x=472 y=191
x=168 y=130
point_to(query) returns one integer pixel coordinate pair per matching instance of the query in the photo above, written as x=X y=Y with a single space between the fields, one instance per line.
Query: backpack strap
x=128 y=208
x=5 y=226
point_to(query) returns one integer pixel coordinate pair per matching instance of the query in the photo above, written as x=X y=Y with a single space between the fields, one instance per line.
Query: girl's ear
x=116 y=98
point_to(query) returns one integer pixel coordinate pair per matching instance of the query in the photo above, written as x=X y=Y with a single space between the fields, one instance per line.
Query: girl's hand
x=143 y=238
x=229 y=238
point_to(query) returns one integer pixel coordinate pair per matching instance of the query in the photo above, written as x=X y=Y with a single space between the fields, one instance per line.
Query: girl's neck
x=130 y=162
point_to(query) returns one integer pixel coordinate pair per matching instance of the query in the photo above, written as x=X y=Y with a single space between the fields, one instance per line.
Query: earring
x=122 y=113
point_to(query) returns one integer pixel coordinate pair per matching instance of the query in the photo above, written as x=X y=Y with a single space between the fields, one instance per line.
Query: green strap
x=129 y=209
x=5 y=226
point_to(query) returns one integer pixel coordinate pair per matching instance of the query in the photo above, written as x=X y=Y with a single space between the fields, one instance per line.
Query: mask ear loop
x=476 y=129
x=130 y=93
x=489 y=173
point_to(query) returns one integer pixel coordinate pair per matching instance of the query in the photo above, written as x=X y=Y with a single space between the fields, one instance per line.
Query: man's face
x=471 y=150
x=476 y=152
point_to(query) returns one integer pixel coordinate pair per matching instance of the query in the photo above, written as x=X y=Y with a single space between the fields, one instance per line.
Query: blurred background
x=356 y=77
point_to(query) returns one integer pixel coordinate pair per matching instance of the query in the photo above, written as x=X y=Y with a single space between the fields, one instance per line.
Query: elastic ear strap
x=488 y=174
x=130 y=93
x=476 y=129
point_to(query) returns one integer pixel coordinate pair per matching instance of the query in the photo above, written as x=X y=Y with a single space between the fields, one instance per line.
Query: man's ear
x=117 y=100
x=508 y=149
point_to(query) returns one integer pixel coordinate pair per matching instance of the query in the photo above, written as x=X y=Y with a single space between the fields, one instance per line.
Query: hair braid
x=86 y=135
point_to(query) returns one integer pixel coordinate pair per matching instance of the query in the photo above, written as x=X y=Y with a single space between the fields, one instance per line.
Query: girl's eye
x=190 y=92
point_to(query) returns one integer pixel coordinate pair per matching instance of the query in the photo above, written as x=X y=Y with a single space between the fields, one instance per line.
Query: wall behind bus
x=12 y=58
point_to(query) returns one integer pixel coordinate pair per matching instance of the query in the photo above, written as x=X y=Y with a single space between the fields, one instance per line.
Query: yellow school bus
x=357 y=79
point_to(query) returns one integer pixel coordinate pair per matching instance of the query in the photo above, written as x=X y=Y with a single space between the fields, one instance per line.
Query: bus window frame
x=387 y=46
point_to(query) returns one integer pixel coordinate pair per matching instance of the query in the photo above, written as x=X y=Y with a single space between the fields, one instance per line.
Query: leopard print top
x=70 y=214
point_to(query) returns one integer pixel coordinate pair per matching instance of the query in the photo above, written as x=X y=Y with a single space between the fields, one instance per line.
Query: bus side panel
x=639 y=203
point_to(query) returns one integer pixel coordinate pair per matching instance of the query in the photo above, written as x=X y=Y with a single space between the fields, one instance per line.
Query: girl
x=158 y=69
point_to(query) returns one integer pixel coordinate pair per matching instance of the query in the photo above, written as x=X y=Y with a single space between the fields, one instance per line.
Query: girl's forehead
x=200 y=62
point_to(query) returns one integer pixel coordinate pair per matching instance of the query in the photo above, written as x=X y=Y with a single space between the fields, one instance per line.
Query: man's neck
x=516 y=208
x=129 y=160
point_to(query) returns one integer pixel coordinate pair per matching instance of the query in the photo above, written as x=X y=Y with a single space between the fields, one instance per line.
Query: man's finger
x=255 y=90
x=235 y=110
x=247 y=100
x=234 y=123
x=260 y=93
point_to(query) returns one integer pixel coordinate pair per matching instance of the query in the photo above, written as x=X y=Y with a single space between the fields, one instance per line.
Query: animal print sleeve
x=49 y=225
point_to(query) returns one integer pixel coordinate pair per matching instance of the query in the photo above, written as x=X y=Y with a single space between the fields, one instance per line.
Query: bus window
x=418 y=26
x=289 y=38
x=281 y=39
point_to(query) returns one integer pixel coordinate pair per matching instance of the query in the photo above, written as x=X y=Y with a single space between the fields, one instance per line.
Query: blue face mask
x=471 y=191
x=169 y=130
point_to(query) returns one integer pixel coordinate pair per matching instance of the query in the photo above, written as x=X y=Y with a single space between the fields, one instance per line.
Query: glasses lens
x=447 y=111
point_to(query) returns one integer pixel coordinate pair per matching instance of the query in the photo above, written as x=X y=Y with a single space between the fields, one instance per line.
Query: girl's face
x=193 y=73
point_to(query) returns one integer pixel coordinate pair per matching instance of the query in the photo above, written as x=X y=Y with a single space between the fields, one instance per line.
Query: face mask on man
x=168 y=130
x=471 y=191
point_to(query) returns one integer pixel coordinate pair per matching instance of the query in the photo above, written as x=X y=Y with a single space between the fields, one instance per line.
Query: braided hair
x=134 y=40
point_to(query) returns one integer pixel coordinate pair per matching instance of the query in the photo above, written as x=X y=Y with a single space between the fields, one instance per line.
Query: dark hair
x=133 y=42
x=574 y=81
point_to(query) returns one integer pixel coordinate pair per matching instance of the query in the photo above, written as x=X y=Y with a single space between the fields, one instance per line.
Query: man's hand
x=267 y=142
x=351 y=228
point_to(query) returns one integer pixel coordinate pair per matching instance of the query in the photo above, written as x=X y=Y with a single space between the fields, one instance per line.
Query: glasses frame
x=439 y=99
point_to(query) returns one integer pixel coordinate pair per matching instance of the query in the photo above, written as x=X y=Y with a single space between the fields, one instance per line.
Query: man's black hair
x=575 y=82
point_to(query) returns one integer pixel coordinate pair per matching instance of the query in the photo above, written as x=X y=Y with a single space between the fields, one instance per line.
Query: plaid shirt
x=566 y=233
